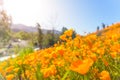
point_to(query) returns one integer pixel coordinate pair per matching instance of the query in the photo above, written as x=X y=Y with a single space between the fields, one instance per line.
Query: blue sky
x=81 y=15
x=86 y=15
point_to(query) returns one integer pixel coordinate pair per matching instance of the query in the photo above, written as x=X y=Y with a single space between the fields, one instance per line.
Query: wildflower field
x=95 y=56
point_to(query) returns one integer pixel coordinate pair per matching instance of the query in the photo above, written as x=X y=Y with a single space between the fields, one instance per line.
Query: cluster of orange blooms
x=95 y=56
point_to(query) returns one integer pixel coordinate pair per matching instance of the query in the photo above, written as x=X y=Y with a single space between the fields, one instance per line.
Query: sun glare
x=29 y=11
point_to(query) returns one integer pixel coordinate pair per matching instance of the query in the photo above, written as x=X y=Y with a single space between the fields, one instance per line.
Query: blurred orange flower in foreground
x=104 y=75
x=10 y=77
x=49 y=71
x=81 y=67
x=9 y=69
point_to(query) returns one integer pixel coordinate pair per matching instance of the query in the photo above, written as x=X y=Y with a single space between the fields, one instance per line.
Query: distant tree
x=51 y=37
x=47 y=39
x=74 y=34
x=40 y=36
x=98 y=28
x=5 y=22
x=22 y=35
x=32 y=38
x=63 y=30
x=103 y=25
x=35 y=39
x=52 y=40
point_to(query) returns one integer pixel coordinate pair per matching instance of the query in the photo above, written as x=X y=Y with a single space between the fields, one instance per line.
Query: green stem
x=65 y=75
x=1 y=77
x=85 y=77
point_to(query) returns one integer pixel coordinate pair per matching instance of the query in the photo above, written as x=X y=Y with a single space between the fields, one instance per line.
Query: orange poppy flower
x=104 y=75
x=81 y=67
x=10 y=77
x=9 y=69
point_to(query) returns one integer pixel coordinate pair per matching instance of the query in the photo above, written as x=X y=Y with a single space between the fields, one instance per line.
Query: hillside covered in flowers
x=95 y=56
